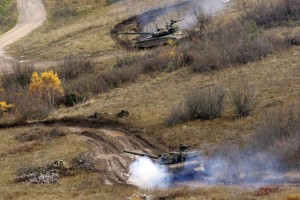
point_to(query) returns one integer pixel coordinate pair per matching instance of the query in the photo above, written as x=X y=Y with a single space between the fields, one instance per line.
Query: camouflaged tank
x=182 y=162
x=159 y=37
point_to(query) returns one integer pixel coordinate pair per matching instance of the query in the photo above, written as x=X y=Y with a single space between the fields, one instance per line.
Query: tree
x=46 y=86
x=4 y=107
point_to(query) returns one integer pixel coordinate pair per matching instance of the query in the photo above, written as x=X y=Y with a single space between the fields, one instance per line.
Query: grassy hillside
x=74 y=27
x=276 y=79
x=8 y=15
x=149 y=96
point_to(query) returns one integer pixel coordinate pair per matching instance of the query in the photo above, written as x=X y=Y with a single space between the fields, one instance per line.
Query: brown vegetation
x=40 y=133
x=244 y=99
x=199 y=103
x=149 y=99
x=271 y=13
x=279 y=136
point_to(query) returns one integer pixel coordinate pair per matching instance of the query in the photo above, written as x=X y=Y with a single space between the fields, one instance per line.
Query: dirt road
x=32 y=14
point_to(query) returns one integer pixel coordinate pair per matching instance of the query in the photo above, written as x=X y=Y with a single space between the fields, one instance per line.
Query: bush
x=200 y=103
x=8 y=15
x=178 y=114
x=279 y=135
x=63 y=11
x=74 y=66
x=293 y=37
x=40 y=133
x=244 y=99
x=226 y=45
x=20 y=75
x=167 y=58
x=116 y=77
x=125 y=61
x=270 y=13
x=84 y=162
x=72 y=99
x=46 y=88
x=205 y=103
x=26 y=106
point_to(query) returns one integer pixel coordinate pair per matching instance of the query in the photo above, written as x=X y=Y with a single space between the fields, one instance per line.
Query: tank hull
x=148 y=43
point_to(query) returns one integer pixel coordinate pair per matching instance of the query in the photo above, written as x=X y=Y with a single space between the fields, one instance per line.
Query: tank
x=179 y=163
x=159 y=37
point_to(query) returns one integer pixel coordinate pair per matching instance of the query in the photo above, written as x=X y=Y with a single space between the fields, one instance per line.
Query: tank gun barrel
x=175 y=21
x=134 y=33
x=142 y=154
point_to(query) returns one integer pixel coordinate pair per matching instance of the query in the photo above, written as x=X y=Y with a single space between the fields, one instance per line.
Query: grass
x=84 y=29
x=150 y=99
x=84 y=186
x=8 y=15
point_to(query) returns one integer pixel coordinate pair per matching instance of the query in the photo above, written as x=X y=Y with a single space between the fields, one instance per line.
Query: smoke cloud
x=186 y=11
x=146 y=174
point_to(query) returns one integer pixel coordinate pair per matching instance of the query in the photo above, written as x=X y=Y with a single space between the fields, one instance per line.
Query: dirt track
x=107 y=140
x=31 y=15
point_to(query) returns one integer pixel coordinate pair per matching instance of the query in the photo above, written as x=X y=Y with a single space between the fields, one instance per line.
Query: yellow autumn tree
x=46 y=86
x=4 y=107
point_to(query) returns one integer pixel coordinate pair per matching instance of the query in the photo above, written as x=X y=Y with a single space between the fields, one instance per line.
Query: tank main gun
x=134 y=33
x=142 y=154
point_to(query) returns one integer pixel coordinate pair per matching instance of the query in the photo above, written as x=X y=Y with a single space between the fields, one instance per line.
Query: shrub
x=20 y=75
x=63 y=11
x=74 y=66
x=46 y=88
x=205 y=103
x=178 y=114
x=279 y=136
x=8 y=15
x=4 y=107
x=116 y=77
x=25 y=105
x=36 y=175
x=84 y=162
x=125 y=61
x=72 y=99
x=226 y=45
x=200 y=103
x=270 y=13
x=244 y=99
x=167 y=58
x=40 y=133
x=293 y=37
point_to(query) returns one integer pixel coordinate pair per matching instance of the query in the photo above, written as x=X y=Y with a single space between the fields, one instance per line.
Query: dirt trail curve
x=32 y=14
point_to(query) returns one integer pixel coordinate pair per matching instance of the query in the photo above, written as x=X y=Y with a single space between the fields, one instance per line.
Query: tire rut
x=107 y=146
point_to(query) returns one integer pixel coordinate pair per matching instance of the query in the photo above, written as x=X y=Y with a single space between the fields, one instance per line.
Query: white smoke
x=146 y=174
x=211 y=6
x=208 y=7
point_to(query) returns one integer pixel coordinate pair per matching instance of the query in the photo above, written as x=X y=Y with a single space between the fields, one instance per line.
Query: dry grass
x=87 y=32
x=60 y=149
x=150 y=98
x=222 y=193
x=89 y=186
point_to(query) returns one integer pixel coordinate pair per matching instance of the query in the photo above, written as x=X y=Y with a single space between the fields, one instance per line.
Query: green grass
x=8 y=15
